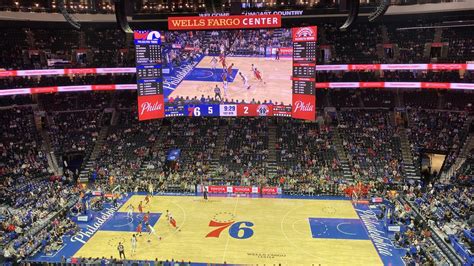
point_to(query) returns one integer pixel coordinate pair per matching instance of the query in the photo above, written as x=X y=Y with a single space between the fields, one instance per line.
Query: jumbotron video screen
x=250 y=72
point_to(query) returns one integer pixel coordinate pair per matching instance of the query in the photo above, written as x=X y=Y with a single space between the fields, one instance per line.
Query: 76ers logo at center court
x=237 y=230
x=150 y=107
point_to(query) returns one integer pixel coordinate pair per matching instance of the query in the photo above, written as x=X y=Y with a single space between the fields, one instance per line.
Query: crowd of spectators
x=416 y=238
x=370 y=142
x=449 y=210
x=20 y=144
x=33 y=211
x=438 y=132
x=26 y=48
x=33 y=214
x=307 y=160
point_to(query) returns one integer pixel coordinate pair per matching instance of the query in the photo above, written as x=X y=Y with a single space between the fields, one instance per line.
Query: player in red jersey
x=139 y=229
x=140 y=207
x=147 y=200
x=171 y=220
x=222 y=60
x=146 y=217
x=229 y=69
x=258 y=75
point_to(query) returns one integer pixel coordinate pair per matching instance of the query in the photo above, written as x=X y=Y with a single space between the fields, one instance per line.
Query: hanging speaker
x=121 y=16
x=353 y=13
x=380 y=11
x=68 y=17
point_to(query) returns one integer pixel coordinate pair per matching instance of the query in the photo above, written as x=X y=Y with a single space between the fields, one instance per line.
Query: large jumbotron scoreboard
x=229 y=66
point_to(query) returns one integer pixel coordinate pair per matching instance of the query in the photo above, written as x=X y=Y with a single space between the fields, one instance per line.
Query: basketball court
x=239 y=230
x=276 y=85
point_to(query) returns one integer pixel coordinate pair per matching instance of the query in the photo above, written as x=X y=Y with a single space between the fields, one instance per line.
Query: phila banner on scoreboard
x=151 y=107
x=304 y=106
x=224 y=22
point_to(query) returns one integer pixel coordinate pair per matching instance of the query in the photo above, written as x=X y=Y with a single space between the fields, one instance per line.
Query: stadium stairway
x=272 y=154
x=46 y=144
x=89 y=166
x=463 y=154
x=346 y=170
x=408 y=165
x=216 y=156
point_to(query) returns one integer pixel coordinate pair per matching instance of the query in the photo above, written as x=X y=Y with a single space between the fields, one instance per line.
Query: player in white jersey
x=244 y=78
x=225 y=86
x=214 y=62
x=134 y=244
x=151 y=189
x=130 y=211
x=151 y=231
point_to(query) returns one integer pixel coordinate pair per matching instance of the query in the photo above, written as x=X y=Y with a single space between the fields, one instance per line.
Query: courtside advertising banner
x=224 y=22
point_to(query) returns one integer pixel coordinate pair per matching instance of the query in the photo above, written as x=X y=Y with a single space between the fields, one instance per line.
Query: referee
x=205 y=193
x=217 y=92
x=121 y=250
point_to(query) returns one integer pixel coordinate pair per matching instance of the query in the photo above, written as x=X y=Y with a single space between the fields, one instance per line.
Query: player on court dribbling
x=245 y=80
x=151 y=231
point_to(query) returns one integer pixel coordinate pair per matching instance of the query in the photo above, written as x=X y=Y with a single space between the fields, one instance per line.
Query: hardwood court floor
x=252 y=231
x=276 y=75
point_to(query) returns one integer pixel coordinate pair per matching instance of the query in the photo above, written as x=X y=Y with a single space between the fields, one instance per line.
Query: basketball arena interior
x=236 y=132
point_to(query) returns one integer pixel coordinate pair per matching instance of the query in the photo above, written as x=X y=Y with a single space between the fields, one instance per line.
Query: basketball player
x=222 y=60
x=253 y=70
x=134 y=244
x=139 y=229
x=130 y=211
x=225 y=86
x=147 y=200
x=151 y=189
x=171 y=220
x=258 y=75
x=245 y=80
x=146 y=217
x=140 y=207
x=217 y=93
x=151 y=230
x=229 y=69
x=213 y=62
x=277 y=54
